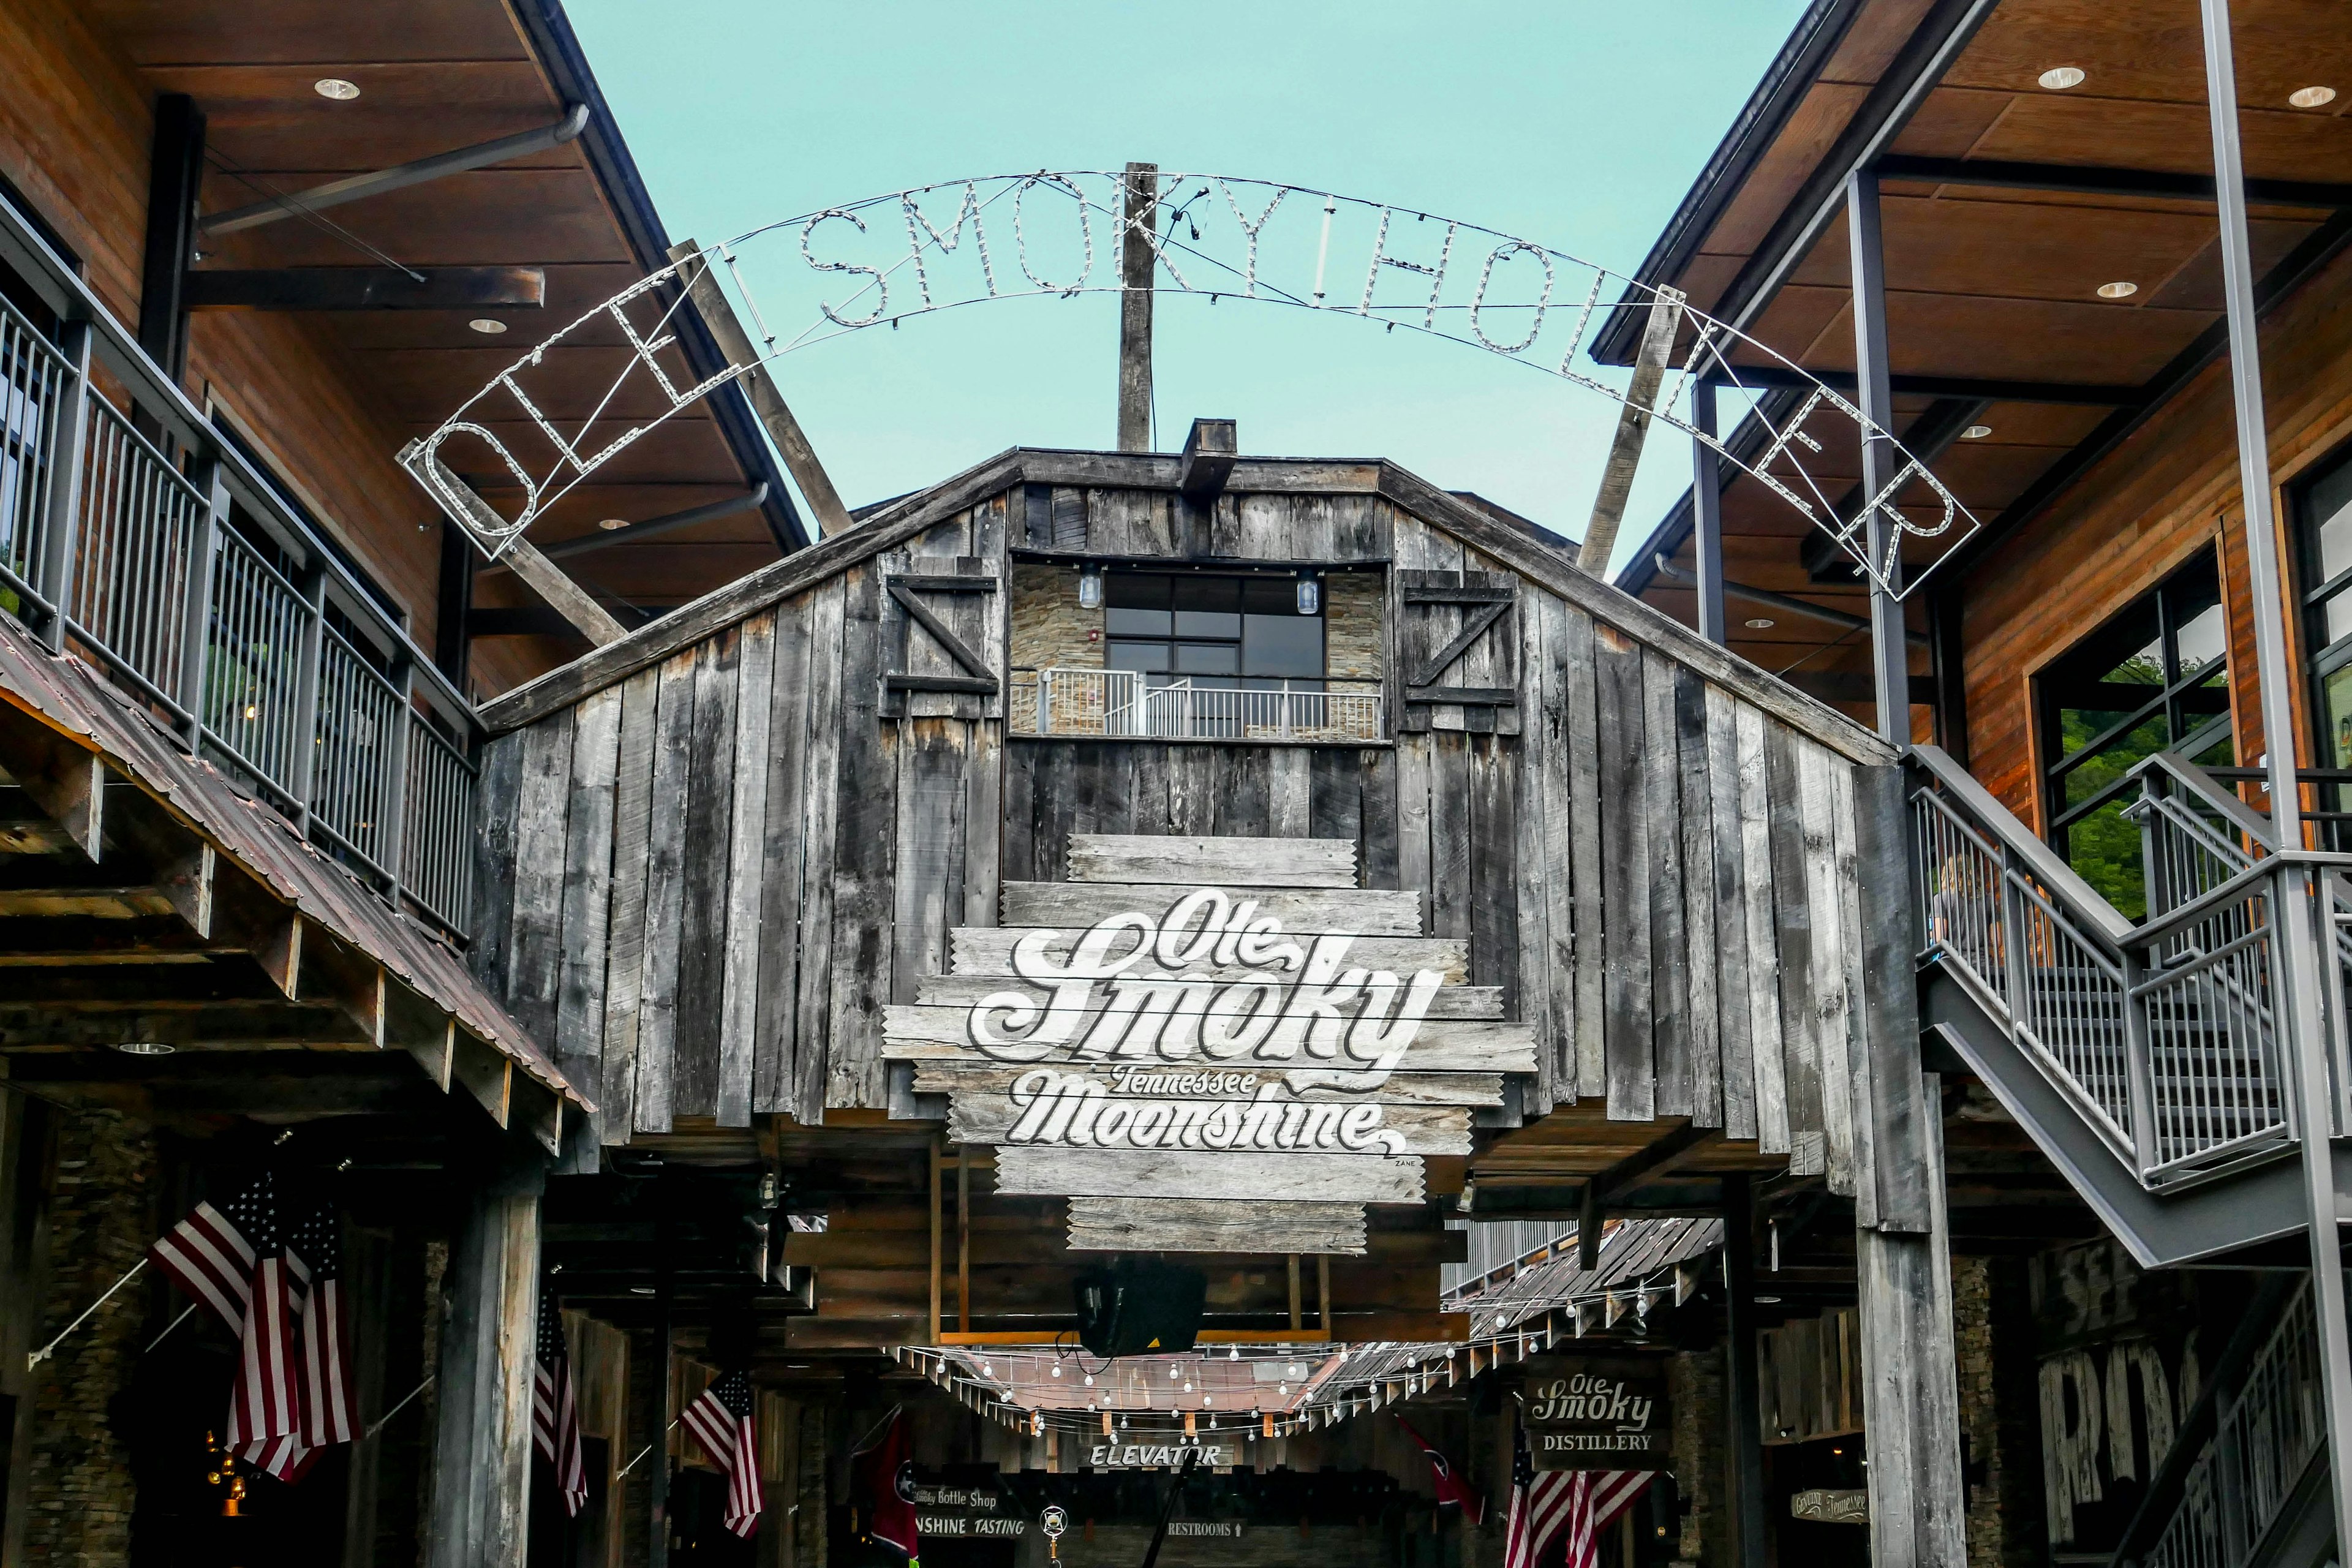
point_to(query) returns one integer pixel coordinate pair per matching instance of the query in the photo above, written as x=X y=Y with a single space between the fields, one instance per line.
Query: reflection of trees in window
x=2155 y=677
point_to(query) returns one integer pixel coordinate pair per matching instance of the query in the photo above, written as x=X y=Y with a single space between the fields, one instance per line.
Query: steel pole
x=1890 y=651
x=2297 y=947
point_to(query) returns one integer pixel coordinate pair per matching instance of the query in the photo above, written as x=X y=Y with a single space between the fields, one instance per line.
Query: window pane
x=2091 y=775
x=1271 y=596
x=1137 y=656
x=1135 y=622
x=2329 y=505
x=1282 y=645
x=2104 y=849
x=2339 y=614
x=1207 y=659
x=1136 y=590
x=2202 y=640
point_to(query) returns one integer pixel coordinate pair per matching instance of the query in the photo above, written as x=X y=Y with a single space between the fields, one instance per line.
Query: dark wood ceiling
x=1997 y=282
x=435 y=75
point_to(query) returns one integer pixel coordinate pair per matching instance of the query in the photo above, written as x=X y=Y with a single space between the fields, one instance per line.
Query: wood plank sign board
x=1190 y=1021
x=1584 y=1413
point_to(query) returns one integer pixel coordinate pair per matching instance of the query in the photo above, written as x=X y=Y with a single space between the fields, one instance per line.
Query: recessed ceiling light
x=2312 y=97
x=1768 y=1300
x=336 y=87
x=2117 y=291
x=1762 y=624
x=146 y=1048
x=610 y=523
x=641 y=1290
x=2058 y=79
x=487 y=324
x=1976 y=432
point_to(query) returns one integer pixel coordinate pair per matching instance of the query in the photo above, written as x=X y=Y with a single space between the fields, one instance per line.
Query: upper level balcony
x=140 y=538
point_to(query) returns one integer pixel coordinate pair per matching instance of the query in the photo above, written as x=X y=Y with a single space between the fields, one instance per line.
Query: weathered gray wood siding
x=724 y=866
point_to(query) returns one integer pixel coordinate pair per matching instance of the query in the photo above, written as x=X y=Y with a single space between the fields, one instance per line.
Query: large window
x=2156 y=678
x=1214 y=632
x=2324 y=511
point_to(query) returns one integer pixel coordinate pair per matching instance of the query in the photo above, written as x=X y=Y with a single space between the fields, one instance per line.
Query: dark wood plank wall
x=1656 y=872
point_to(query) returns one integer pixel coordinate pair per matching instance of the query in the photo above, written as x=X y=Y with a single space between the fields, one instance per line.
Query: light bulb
x=1057 y=1371
x=1091 y=588
x=1090 y=1380
x=1311 y=596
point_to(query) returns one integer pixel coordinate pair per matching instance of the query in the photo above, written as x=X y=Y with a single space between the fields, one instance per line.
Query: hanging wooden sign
x=1192 y=1021
x=1583 y=1413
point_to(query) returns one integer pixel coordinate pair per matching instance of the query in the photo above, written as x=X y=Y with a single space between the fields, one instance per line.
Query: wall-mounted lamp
x=1091 y=588
x=1311 y=596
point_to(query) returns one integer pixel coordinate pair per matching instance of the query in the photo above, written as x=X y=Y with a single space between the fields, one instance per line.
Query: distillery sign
x=1588 y=1414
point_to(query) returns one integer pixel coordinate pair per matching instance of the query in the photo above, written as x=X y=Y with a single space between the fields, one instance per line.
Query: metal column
x=1706 y=514
x=1890 y=652
x=2297 y=946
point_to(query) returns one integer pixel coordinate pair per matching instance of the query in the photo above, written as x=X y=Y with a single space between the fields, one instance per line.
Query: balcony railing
x=134 y=536
x=1126 y=703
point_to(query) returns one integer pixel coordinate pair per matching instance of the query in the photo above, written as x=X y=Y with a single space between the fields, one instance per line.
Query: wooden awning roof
x=147 y=901
x=2007 y=206
x=433 y=79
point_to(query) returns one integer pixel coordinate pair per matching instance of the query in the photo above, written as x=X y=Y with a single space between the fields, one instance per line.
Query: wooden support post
x=1323 y=1292
x=1298 y=1320
x=543 y=576
x=760 y=385
x=1744 y=1480
x=482 y=1449
x=1632 y=430
x=1890 y=651
x=964 y=1241
x=936 y=1292
x=1706 y=514
x=1137 y=260
x=657 y=1484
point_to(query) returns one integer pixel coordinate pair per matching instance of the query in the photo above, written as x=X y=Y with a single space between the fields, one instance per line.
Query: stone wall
x=101 y=1219
x=1695 y=1387
x=1998 y=1431
x=1352 y=644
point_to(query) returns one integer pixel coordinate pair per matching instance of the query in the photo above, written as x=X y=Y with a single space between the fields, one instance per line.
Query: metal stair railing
x=2161 y=1034
x=2242 y=1449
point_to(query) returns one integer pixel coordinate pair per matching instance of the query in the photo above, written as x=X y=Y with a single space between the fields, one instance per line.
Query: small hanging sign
x=1584 y=1413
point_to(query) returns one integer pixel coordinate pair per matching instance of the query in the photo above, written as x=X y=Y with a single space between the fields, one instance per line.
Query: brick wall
x=101 y=1222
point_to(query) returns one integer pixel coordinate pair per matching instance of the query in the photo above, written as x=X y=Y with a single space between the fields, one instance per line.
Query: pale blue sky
x=1576 y=123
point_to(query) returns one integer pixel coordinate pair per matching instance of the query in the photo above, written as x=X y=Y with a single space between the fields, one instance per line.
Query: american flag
x=554 y=1418
x=721 y=1422
x=211 y=1254
x=1581 y=1502
x=327 y=1397
x=265 y=1411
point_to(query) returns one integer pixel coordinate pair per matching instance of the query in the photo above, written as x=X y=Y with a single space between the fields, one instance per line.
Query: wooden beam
x=176 y=177
x=652 y=527
x=1994 y=173
x=483 y=1071
x=65 y=781
x=546 y=579
x=367 y=289
x=1632 y=430
x=240 y=1025
x=758 y=383
x=1207 y=461
x=1138 y=259
x=400 y=176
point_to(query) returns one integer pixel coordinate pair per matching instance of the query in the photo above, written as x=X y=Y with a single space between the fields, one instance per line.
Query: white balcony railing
x=1123 y=702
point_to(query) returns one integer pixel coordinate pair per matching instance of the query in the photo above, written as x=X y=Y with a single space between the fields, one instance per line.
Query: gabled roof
x=1520 y=550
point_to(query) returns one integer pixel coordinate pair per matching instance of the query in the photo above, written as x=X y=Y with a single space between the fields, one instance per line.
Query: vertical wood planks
x=1701 y=1009
x=864 y=846
x=821 y=802
x=1660 y=803
x=702 y=931
x=579 y=1040
x=494 y=863
x=782 y=852
x=633 y=784
x=738 y=1009
x=542 y=802
x=1631 y=1068
x=665 y=893
x=1735 y=1011
x=1581 y=703
x=1767 y=1036
x=1817 y=803
x=1540 y=745
x=1801 y=1049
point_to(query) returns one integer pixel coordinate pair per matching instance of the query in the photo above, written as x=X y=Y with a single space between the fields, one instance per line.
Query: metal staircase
x=2145 y=1058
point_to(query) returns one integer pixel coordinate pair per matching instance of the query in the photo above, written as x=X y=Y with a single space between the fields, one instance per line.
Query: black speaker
x=1140 y=1305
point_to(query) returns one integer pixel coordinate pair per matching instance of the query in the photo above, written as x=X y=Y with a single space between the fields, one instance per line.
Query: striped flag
x=266 y=1402
x=211 y=1254
x=554 y=1417
x=328 y=1402
x=721 y=1422
x=1581 y=1502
